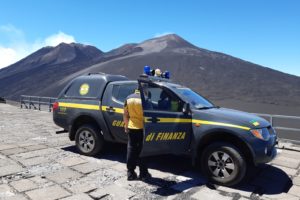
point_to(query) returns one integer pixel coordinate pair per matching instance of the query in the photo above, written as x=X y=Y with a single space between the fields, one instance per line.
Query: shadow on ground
x=263 y=179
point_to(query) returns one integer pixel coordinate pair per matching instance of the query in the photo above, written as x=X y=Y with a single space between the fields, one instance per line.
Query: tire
x=223 y=164
x=88 y=140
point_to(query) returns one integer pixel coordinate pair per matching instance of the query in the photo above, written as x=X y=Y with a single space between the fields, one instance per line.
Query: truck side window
x=121 y=92
x=83 y=89
x=162 y=100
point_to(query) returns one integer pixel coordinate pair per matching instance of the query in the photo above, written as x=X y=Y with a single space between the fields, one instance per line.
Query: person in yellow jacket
x=133 y=120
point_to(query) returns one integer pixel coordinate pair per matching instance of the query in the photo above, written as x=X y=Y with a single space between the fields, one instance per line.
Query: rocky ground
x=37 y=164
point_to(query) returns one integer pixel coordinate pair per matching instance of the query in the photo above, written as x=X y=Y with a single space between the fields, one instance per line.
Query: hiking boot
x=131 y=176
x=145 y=176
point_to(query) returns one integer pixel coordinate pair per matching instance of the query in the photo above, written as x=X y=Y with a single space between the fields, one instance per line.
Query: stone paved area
x=35 y=163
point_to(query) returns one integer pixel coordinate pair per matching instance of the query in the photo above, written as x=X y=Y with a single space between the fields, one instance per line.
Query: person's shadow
x=260 y=180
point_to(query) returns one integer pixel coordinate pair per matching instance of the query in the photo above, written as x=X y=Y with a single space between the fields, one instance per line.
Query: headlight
x=262 y=134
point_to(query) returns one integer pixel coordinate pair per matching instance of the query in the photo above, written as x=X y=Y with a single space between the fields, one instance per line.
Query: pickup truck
x=222 y=142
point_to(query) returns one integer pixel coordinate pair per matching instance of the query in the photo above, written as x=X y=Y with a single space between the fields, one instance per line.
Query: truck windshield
x=194 y=98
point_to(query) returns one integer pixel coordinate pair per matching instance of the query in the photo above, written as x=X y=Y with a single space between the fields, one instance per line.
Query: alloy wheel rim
x=86 y=141
x=221 y=164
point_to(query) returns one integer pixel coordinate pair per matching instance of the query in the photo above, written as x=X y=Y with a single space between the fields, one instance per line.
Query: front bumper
x=264 y=151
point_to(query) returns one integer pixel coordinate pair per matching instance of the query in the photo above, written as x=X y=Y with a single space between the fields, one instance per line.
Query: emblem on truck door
x=84 y=89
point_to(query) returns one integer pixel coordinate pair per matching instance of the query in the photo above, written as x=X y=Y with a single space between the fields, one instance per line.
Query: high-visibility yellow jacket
x=133 y=105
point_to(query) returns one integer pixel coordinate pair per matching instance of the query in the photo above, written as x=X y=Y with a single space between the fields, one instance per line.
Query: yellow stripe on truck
x=169 y=120
x=80 y=106
x=148 y=119
x=174 y=120
x=88 y=107
x=195 y=121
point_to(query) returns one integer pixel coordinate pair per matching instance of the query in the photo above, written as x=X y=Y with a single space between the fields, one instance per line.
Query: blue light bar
x=167 y=75
x=147 y=70
x=151 y=72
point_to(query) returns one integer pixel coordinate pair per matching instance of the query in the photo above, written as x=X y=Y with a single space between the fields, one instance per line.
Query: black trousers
x=134 y=148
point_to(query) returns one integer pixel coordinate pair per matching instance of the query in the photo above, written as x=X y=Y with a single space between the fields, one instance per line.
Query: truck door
x=112 y=106
x=166 y=128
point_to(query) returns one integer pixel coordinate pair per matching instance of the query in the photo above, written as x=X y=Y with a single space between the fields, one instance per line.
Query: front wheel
x=88 y=139
x=223 y=164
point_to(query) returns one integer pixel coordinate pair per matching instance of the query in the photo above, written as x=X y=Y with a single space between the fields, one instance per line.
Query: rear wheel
x=223 y=164
x=88 y=139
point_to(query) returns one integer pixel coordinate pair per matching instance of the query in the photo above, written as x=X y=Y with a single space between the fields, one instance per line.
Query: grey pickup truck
x=222 y=142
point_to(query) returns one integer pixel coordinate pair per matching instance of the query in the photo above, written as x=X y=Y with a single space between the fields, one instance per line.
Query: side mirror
x=186 y=108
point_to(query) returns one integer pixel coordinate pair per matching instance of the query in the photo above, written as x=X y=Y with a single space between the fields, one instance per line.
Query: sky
x=265 y=32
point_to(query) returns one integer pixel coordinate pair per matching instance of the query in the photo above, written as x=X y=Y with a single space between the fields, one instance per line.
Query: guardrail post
x=39 y=103
x=271 y=120
x=30 y=102
x=21 y=102
x=50 y=104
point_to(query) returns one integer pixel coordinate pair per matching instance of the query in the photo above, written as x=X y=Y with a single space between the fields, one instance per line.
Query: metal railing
x=36 y=102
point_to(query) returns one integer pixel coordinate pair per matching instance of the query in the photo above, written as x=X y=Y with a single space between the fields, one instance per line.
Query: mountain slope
x=45 y=67
x=215 y=75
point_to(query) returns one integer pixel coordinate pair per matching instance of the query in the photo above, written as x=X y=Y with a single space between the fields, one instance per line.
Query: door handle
x=110 y=109
x=154 y=119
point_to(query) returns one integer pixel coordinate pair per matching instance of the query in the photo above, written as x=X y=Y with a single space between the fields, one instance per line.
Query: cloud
x=162 y=34
x=7 y=56
x=17 y=47
x=11 y=32
x=58 y=38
